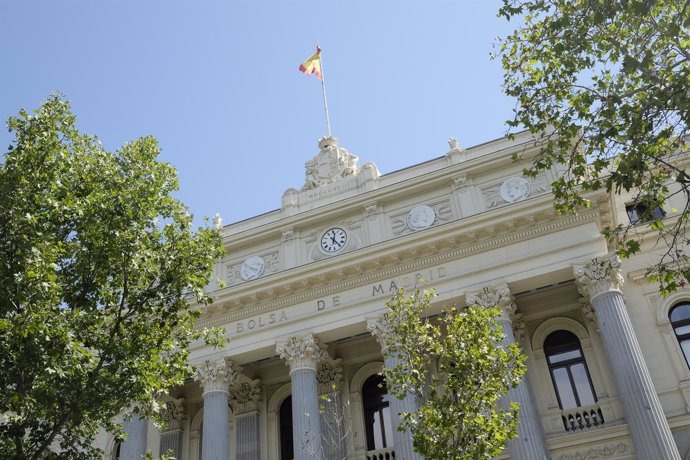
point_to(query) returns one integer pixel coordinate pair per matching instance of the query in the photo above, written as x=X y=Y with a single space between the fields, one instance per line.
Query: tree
x=607 y=84
x=458 y=417
x=97 y=266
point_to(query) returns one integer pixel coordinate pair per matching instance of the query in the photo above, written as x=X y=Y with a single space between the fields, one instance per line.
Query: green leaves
x=606 y=84
x=96 y=259
x=457 y=367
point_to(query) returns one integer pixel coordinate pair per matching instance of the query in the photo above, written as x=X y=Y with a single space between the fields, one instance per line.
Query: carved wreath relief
x=420 y=217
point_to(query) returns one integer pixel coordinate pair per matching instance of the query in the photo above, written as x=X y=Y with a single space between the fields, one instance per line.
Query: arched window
x=569 y=370
x=680 y=320
x=285 y=427
x=377 y=416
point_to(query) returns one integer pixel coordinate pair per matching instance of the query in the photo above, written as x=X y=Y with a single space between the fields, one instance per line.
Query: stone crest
x=331 y=164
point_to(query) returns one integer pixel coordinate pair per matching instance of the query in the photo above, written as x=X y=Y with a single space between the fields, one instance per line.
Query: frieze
x=397 y=267
x=442 y=209
x=271 y=265
x=596 y=452
x=513 y=189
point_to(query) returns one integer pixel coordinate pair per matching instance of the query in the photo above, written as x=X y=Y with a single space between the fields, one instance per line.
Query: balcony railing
x=582 y=418
x=387 y=453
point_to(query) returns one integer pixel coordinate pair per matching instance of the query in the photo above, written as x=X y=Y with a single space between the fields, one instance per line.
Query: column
x=243 y=401
x=134 y=448
x=333 y=426
x=215 y=377
x=402 y=440
x=600 y=281
x=171 y=434
x=303 y=354
x=530 y=443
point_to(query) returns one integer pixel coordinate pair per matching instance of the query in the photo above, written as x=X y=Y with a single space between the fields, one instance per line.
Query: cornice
x=385 y=260
x=437 y=178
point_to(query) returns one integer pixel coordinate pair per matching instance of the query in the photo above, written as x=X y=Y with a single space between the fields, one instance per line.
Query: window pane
x=582 y=384
x=682 y=330
x=378 y=431
x=680 y=312
x=557 y=358
x=388 y=426
x=563 y=388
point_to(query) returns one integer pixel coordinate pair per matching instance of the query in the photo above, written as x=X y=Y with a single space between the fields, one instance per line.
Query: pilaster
x=600 y=281
x=171 y=435
x=244 y=400
x=330 y=378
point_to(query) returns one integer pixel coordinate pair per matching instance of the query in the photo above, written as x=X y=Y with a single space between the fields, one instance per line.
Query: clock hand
x=333 y=239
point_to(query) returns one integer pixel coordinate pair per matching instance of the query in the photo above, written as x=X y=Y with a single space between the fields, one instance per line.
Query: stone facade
x=305 y=295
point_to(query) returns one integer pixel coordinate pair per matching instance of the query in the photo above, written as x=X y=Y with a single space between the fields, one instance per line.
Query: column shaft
x=134 y=448
x=643 y=412
x=306 y=423
x=215 y=426
x=531 y=441
x=402 y=440
x=248 y=436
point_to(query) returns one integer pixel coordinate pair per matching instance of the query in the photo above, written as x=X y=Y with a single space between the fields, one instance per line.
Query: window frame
x=680 y=323
x=568 y=364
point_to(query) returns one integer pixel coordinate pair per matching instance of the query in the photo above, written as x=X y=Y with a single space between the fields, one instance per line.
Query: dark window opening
x=640 y=213
x=285 y=426
x=377 y=417
x=680 y=321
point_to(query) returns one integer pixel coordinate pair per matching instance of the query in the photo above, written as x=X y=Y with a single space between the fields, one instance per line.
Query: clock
x=252 y=268
x=333 y=240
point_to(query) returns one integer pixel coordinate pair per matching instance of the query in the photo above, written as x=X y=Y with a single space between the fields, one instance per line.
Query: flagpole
x=323 y=89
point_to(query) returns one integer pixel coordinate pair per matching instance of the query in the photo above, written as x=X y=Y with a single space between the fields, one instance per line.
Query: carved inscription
x=262 y=321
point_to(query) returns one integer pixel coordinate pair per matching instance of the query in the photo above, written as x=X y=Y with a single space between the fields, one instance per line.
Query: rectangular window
x=638 y=213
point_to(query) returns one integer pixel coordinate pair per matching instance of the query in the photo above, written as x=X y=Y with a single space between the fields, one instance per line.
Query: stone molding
x=330 y=376
x=494 y=297
x=245 y=397
x=216 y=375
x=598 y=276
x=173 y=414
x=301 y=352
x=244 y=305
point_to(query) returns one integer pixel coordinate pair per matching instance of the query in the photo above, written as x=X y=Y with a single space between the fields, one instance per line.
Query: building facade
x=302 y=292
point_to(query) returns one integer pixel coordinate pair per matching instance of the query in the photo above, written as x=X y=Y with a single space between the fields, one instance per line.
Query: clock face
x=252 y=268
x=333 y=240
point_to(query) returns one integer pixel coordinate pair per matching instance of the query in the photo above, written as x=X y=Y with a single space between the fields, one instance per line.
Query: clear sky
x=217 y=83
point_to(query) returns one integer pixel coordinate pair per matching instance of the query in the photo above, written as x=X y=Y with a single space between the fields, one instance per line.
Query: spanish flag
x=312 y=65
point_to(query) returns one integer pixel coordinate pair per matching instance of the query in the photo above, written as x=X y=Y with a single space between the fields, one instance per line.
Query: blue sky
x=217 y=83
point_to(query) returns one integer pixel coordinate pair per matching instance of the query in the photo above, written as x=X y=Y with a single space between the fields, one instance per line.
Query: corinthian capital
x=382 y=329
x=245 y=397
x=601 y=274
x=493 y=297
x=329 y=376
x=173 y=414
x=301 y=352
x=216 y=375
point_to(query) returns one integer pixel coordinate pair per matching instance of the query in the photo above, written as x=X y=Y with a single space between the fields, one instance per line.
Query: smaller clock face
x=333 y=240
x=252 y=268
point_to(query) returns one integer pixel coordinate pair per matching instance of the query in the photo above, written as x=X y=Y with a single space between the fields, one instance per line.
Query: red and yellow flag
x=312 y=66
